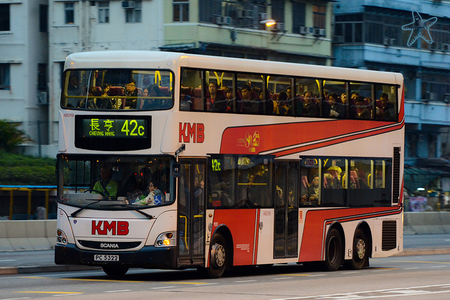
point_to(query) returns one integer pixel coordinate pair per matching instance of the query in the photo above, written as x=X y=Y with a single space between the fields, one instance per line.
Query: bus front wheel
x=360 y=255
x=218 y=257
x=115 y=271
x=334 y=255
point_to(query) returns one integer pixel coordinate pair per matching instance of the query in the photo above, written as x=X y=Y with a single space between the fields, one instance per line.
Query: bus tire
x=334 y=255
x=360 y=253
x=218 y=256
x=115 y=271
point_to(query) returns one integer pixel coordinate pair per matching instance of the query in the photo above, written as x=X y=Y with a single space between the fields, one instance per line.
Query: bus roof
x=173 y=60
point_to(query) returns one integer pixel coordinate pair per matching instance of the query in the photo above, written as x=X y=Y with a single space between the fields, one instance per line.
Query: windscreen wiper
x=135 y=209
x=75 y=213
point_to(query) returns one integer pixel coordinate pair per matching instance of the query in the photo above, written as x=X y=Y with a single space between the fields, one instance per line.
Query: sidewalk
x=27 y=262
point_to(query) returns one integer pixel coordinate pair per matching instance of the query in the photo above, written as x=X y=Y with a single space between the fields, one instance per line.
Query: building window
x=103 y=12
x=319 y=13
x=134 y=14
x=43 y=18
x=4 y=76
x=69 y=12
x=298 y=16
x=181 y=10
x=42 y=77
x=4 y=17
x=278 y=10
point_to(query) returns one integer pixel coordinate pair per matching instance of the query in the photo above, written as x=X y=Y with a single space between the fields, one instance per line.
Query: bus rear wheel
x=218 y=256
x=334 y=255
x=115 y=271
x=360 y=253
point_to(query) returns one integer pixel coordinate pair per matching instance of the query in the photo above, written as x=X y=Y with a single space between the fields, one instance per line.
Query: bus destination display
x=112 y=132
x=114 y=128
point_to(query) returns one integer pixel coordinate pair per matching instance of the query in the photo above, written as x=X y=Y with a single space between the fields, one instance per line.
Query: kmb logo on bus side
x=114 y=227
x=196 y=131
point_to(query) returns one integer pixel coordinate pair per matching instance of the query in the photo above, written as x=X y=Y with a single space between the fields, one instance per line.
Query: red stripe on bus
x=337 y=141
x=257 y=139
x=314 y=235
x=241 y=223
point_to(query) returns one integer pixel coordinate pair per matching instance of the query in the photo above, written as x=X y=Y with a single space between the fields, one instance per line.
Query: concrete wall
x=427 y=222
x=27 y=235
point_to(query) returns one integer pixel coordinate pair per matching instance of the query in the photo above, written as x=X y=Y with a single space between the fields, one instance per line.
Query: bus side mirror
x=176 y=169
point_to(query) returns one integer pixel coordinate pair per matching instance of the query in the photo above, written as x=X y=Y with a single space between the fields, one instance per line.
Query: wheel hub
x=218 y=255
x=360 y=248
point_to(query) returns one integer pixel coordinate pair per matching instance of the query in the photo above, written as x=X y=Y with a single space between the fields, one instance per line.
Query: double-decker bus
x=171 y=160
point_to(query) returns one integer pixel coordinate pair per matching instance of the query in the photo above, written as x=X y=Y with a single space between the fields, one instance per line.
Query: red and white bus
x=171 y=160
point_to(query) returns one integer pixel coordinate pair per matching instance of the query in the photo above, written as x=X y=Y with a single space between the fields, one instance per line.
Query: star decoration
x=419 y=28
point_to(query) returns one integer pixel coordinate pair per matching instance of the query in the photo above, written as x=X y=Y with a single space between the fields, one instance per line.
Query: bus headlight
x=61 y=237
x=166 y=239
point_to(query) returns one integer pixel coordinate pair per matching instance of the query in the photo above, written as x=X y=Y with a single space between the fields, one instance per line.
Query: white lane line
x=244 y=281
x=163 y=287
x=117 y=291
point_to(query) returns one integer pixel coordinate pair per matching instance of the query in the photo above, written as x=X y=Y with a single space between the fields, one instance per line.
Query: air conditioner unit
x=392 y=42
x=42 y=98
x=280 y=26
x=128 y=4
x=304 y=30
x=386 y=41
x=445 y=47
x=319 y=32
x=263 y=16
x=222 y=20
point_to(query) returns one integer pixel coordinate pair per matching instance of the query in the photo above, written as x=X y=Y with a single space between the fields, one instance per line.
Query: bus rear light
x=61 y=237
x=166 y=239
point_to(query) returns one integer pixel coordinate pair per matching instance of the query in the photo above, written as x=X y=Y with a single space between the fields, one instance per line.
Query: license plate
x=105 y=257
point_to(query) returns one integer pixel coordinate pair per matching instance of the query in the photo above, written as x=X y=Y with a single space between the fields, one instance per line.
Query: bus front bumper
x=147 y=257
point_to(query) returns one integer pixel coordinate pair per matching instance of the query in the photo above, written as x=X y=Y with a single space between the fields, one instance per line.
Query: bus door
x=286 y=209
x=191 y=210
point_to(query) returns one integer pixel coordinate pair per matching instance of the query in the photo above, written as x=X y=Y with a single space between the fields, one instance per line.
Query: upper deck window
x=117 y=89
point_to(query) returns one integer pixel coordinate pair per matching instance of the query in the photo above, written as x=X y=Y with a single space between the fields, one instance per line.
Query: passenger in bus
x=335 y=107
x=344 y=105
x=249 y=104
x=105 y=185
x=309 y=106
x=387 y=110
x=313 y=191
x=152 y=103
x=216 y=100
x=266 y=104
x=333 y=178
x=361 y=110
x=282 y=107
x=185 y=100
x=154 y=196
x=132 y=92
x=230 y=99
x=133 y=192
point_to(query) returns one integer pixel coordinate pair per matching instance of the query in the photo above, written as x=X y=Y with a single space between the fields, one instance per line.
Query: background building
x=411 y=37
x=24 y=67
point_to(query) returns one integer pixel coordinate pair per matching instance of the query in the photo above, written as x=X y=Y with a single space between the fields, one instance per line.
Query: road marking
x=16 y=298
x=244 y=281
x=49 y=292
x=186 y=282
x=423 y=262
x=101 y=280
x=385 y=293
x=117 y=291
x=163 y=287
